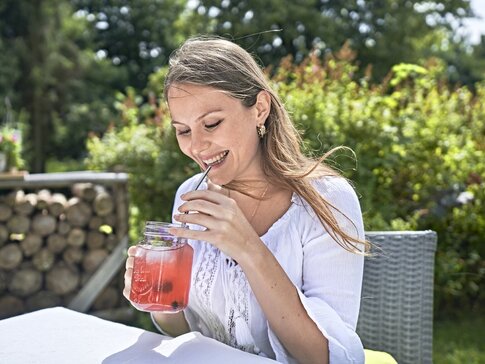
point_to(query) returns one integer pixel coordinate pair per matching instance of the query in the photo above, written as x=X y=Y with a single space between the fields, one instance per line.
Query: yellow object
x=378 y=357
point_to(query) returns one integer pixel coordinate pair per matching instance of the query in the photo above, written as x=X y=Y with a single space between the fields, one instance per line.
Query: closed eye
x=213 y=126
x=183 y=132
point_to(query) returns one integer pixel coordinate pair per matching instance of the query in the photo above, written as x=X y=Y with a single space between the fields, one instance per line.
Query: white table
x=60 y=335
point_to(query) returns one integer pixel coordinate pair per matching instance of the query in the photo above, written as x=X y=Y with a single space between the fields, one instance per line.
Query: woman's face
x=216 y=129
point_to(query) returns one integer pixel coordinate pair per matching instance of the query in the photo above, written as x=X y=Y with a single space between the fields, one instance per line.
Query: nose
x=199 y=143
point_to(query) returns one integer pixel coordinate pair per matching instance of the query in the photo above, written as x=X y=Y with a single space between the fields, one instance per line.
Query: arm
x=282 y=306
x=171 y=324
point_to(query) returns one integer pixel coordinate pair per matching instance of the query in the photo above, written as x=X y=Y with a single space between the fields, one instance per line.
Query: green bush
x=419 y=146
x=420 y=157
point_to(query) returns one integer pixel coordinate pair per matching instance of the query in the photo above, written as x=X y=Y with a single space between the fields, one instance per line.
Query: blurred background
x=402 y=83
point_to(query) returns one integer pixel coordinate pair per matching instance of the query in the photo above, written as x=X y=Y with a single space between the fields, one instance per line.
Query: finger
x=129 y=262
x=127 y=288
x=131 y=251
x=204 y=220
x=190 y=234
x=126 y=292
x=202 y=206
x=127 y=276
x=211 y=196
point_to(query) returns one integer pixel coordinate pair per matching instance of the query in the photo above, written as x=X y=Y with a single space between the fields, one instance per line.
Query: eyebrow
x=199 y=118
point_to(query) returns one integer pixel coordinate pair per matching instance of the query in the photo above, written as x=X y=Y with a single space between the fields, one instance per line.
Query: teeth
x=215 y=159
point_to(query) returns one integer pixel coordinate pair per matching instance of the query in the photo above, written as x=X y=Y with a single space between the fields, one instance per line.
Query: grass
x=460 y=340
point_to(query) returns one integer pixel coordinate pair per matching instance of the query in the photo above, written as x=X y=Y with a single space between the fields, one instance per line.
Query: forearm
x=281 y=304
x=174 y=324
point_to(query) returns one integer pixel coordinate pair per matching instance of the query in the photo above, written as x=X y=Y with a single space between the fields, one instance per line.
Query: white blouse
x=327 y=278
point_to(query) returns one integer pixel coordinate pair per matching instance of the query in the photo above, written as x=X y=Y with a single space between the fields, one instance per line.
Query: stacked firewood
x=51 y=243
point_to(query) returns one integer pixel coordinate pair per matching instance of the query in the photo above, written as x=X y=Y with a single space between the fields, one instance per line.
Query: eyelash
x=210 y=127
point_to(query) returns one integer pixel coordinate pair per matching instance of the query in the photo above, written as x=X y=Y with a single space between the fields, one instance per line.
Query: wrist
x=254 y=255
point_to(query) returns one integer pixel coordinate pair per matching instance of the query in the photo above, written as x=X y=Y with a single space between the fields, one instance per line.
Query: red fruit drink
x=161 y=274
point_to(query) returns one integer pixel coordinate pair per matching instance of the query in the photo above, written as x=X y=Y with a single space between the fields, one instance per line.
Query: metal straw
x=202 y=178
x=197 y=187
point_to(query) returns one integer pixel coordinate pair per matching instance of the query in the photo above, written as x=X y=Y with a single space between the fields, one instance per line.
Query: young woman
x=278 y=237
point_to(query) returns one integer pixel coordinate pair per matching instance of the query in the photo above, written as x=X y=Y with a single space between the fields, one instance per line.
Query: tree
x=137 y=36
x=383 y=33
x=55 y=84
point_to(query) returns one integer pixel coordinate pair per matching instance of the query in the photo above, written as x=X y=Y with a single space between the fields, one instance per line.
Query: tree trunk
x=57 y=204
x=31 y=244
x=11 y=306
x=44 y=224
x=24 y=204
x=95 y=239
x=62 y=279
x=43 y=260
x=78 y=212
x=103 y=203
x=76 y=237
x=63 y=227
x=43 y=199
x=93 y=259
x=95 y=222
x=3 y=234
x=25 y=282
x=110 y=220
x=42 y=299
x=18 y=224
x=73 y=256
x=5 y=211
x=56 y=243
x=85 y=191
x=10 y=256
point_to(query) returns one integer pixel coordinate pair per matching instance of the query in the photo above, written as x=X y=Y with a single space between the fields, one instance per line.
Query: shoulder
x=328 y=184
x=342 y=201
x=334 y=188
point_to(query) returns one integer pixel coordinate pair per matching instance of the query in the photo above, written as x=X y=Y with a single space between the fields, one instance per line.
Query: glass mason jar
x=162 y=270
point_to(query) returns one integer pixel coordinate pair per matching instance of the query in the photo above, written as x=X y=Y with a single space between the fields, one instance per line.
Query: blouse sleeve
x=331 y=276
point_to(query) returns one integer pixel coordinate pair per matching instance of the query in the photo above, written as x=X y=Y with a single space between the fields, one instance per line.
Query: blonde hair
x=222 y=64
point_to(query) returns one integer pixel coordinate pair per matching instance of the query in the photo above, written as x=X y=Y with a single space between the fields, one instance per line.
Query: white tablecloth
x=59 y=335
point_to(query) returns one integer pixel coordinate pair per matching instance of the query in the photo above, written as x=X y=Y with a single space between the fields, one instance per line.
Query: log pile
x=51 y=243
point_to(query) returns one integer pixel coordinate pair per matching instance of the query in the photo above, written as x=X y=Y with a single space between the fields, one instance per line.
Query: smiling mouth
x=218 y=159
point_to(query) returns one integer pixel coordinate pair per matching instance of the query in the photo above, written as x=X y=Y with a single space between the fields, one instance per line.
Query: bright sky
x=476 y=27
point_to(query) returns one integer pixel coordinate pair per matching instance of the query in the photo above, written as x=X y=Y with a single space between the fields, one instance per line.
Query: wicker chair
x=396 y=314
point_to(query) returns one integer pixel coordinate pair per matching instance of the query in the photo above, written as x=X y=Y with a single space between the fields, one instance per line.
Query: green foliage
x=383 y=33
x=419 y=145
x=11 y=146
x=459 y=340
x=420 y=156
x=145 y=147
x=137 y=35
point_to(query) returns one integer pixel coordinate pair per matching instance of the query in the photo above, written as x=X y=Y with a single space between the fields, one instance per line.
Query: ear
x=263 y=106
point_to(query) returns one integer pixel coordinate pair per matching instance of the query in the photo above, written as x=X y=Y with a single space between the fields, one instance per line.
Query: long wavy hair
x=223 y=65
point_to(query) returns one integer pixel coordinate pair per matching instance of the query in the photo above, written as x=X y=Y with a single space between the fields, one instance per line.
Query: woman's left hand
x=226 y=226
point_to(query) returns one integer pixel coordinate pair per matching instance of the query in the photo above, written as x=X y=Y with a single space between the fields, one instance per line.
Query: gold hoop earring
x=261 y=130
